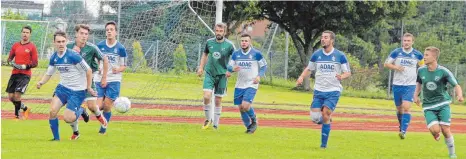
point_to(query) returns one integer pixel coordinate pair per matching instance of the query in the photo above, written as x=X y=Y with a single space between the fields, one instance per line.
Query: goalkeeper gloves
x=17 y=66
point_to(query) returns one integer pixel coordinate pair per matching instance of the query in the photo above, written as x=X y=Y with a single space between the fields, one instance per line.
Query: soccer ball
x=122 y=104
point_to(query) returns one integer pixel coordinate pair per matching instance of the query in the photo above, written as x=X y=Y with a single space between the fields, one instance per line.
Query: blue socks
x=107 y=116
x=325 y=135
x=248 y=116
x=245 y=118
x=252 y=114
x=406 y=118
x=54 y=127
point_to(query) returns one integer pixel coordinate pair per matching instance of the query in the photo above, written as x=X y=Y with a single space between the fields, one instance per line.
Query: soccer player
x=91 y=54
x=23 y=57
x=215 y=58
x=432 y=79
x=251 y=66
x=116 y=54
x=331 y=66
x=404 y=62
x=75 y=79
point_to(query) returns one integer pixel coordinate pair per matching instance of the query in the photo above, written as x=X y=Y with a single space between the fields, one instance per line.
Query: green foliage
x=139 y=61
x=9 y=14
x=180 y=60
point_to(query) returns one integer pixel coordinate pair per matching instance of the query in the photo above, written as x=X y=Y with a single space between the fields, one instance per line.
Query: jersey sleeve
x=420 y=57
x=312 y=63
x=262 y=64
x=206 y=49
x=345 y=67
x=391 y=58
x=12 y=52
x=450 y=77
x=34 y=58
x=97 y=53
x=123 y=56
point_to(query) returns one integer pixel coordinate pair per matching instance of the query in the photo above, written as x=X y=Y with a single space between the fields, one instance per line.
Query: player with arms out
x=215 y=58
x=75 y=79
x=116 y=54
x=23 y=57
x=331 y=66
x=251 y=66
x=432 y=79
x=91 y=54
x=404 y=62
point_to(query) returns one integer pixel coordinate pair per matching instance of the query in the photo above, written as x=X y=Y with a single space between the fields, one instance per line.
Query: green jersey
x=434 y=86
x=90 y=53
x=218 y=56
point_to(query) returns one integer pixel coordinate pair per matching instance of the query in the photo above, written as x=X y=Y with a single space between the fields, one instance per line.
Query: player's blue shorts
x=112 y=90
x=244 y=94
x=72 y=99
x=403 y=93
x=328 y=99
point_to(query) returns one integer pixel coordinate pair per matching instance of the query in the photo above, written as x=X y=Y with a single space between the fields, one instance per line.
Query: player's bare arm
x=416 y=98
x=394 y=67
x=200 y=70
x=459 y=93
x=305 y=73
x=343 y=76
x=103 y=81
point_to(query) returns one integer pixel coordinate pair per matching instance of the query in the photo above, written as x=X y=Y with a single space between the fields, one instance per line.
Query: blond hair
x=408 y=35
x=434 y=50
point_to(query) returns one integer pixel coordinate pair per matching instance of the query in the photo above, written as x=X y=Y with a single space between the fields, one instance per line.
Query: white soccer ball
x=122 y=104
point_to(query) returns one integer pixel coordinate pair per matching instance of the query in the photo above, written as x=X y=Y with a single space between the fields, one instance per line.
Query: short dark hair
x=27 y=27
x=246 y=35
x=84 y=26
x=332 y=34
x=111 y=23
x=59 y=33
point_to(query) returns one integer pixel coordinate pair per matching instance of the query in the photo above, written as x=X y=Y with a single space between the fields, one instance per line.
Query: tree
x=14 y=16
x=180 y=60
x=139 y=61
x=237 y=12
x=305 y=21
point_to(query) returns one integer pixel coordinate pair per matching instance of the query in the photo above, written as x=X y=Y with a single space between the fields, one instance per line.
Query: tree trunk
x=304 y=54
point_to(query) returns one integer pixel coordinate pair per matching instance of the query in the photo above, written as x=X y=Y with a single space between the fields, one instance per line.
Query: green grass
x=189 y=87
x=28 y=139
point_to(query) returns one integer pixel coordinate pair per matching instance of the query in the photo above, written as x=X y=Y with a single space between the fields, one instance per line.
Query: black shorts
x=18 y=83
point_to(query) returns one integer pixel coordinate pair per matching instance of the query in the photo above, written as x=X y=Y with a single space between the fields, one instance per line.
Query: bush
x=180 y=60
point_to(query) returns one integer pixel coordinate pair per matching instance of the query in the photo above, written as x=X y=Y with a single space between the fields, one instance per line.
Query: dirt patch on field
x=346 y=125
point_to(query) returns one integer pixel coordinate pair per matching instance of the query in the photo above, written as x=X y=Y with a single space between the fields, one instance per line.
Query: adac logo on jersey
x=437 y=78
x=431 y=86
x=245 y=65
x=327 y=68
x=405 y=62
x=63 y=69
x=216 y=55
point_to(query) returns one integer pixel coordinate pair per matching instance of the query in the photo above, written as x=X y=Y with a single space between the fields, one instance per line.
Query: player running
x=91 y=54
x=116 y=54
x=331 y=66
x=251 y=66
x=215 y=58
x=404 y=61
x=23 y=57
x=432 y=80
x=75 y=79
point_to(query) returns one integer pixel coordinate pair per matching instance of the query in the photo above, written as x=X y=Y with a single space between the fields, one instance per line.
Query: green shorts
x=88 y=95
x=440 y=115
x=217 y=83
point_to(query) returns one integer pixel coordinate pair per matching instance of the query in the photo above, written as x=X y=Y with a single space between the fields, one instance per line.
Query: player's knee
x=316 y=117
x=11 y=98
